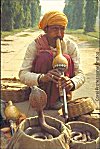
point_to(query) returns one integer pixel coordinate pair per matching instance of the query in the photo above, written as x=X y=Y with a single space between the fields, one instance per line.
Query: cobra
x=77 y=135
x=38 y=100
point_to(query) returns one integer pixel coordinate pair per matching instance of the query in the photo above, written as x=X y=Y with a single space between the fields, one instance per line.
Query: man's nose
x=59 y=32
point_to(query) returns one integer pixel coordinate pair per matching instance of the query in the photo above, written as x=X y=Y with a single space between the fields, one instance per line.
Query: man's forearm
x=29 y=78
x=78 y=80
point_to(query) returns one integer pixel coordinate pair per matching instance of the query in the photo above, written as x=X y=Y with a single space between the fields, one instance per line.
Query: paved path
x=13 y=50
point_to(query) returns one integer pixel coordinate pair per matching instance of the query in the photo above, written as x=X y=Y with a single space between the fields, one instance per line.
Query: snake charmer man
x=37 y=67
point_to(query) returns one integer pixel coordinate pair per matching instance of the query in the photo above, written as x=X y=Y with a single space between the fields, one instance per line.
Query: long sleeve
x=72 y=49
x=26 y=76
x=69 y=47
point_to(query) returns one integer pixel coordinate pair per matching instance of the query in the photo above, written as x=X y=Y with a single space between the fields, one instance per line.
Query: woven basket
x=93 y=118
x=80 y=106
x=4 y=140
x=21 y=140
x=13 y=89
x=83 y=127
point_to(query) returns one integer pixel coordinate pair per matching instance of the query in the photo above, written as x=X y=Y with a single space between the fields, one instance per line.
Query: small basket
x=80 y=107
x=12 y=89
x=83 y=127
x=93 y=118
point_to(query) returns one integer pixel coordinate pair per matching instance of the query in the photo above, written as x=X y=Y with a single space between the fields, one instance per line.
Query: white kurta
x=68 y=46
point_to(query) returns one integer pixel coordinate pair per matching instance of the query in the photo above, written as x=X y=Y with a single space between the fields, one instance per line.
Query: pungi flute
x=61 y=63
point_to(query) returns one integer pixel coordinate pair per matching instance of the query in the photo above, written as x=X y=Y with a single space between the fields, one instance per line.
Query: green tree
x=74 y=10
x=35 y=12
x=91 y=10
x=7 y=17
x=68 y=10
x=78 y=14
x=27 y=13
x=18 y=14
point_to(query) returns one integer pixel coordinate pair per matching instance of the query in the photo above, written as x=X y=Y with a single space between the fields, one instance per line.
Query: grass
x=91 y=37
x=24 y=35
x=7 y=33
x=34 y=29
x=80 y=32
x=15 y=31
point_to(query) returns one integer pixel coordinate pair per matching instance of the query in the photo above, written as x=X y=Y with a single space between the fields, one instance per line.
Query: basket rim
x=84 y=123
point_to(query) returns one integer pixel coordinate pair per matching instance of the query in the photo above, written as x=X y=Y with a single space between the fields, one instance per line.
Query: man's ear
x=46 y=29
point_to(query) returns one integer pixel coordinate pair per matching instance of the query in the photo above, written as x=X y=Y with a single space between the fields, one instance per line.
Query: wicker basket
x=83 y=127
x=80 y=106
x=4 y=140
x=13 y=89
x=21 y=140
x=93 y=118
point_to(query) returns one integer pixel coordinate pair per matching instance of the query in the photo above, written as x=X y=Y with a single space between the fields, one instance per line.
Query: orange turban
x=53 y=18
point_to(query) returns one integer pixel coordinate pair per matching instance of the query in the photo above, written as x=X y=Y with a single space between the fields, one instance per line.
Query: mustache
x=58 y=37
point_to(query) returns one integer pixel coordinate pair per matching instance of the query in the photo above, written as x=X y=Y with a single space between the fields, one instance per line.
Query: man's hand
x=66 y=83
x=21 y=118
x=52 y=75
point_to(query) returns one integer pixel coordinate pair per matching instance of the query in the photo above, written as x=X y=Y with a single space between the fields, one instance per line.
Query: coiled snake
x=78 y=135
x=38 y=100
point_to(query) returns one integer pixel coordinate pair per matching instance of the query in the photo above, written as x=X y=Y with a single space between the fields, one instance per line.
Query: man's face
x=55 y=31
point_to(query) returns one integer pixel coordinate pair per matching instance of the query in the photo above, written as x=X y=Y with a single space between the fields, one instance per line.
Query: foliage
x=91 y=10
x=12 y=32
x=27 y=13
x=81 y=32
x=92 y=38
x=81 y=14
x=35 y=13
x=19 y=14
x=7 y=18
x=68 y=10
x=74 y=11
x=78 y=14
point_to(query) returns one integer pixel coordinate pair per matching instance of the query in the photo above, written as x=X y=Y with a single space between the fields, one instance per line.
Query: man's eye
x=55 y=28
x=62 y=29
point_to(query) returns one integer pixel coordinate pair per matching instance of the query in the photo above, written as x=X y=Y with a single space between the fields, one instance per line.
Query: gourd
x=59 y=60
x=11 y=112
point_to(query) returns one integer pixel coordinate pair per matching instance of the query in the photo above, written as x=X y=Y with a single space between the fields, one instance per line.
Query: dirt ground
x=12 y=53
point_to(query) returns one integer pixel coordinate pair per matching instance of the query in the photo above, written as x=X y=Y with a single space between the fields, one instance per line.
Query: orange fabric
x=53 y=18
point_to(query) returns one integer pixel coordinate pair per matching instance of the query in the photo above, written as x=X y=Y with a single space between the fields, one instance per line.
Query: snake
x=31 y=130
x=38 y=100
x=36 y=132
x=84 y=136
